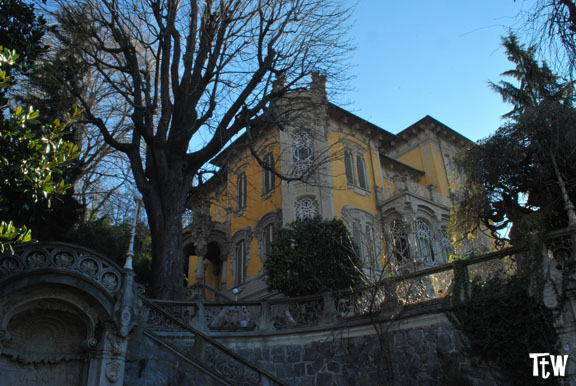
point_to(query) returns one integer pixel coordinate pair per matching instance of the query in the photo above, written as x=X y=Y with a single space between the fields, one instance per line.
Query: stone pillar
x=329 y=312
x=200 y=269
x=107 y=366
x=265 y=322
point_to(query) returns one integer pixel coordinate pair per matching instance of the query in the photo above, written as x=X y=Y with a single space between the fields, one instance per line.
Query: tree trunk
x=568 y=205
x=164 y=212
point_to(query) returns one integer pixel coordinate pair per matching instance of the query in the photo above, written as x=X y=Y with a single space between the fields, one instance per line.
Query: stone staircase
x=196 y=358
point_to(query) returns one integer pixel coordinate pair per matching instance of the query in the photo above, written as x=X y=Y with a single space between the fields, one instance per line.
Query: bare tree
x=101 y=172
x=195 y=74
x=552 y=25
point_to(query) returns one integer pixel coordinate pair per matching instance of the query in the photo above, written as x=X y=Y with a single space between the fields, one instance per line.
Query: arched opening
x=189 y=254
x=214 y=265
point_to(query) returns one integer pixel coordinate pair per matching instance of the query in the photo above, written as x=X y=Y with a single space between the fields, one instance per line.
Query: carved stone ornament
x=113 y=371
x=306 y=208
x=61 y=257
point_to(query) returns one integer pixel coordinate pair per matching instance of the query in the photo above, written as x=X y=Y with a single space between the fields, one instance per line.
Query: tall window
x=361 y=172
x=355 y=169
x=357 y=237
x=241 y=192
x=445 y=246
x=349 y=164
x=269 y=235
x=424 y=240
x=303 y=152
x=400 y=246
x=268 y=176
x=370 y=247
x=240 y=276
x=306 y=208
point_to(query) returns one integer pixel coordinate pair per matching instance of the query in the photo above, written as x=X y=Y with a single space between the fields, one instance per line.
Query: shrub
x=310 y=256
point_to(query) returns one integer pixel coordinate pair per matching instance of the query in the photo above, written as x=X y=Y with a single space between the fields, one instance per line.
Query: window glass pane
x=268 y=182
x=424 y=239
x=445 y=246
x=240 y=262
x=268 y=238
x=241 y=192
x=370 y=247
x=349 y=167
x=400 y=248
x=361 y=172
x=357 y=237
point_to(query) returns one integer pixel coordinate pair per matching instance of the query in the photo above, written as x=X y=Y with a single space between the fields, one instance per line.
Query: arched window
x=355 y=167
x=268 y=177
x=303 y=152
x=349 y=165
x=241 y=192
x=424 y=241
x=361 y=172
x=240 y=271
x=445 y=246
x=401 y=250
x=306 y=208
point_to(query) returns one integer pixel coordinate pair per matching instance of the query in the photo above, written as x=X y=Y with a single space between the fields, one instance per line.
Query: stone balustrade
x=410 y=289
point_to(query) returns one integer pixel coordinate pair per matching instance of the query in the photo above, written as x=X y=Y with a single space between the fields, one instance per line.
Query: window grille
x=306 y=208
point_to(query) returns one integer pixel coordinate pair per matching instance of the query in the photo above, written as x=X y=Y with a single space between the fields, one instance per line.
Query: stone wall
x=422 y=355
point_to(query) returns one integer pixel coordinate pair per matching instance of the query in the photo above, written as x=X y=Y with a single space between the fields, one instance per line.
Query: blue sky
x=422 y=57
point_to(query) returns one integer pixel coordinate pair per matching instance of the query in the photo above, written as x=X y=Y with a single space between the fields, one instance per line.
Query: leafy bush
x=310 y=256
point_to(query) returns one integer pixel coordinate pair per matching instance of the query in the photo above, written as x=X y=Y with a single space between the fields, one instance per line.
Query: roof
x=400 y=165
x=429 y=121
x=339 y=111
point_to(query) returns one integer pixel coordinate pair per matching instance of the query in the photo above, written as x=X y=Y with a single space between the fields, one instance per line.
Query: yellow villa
x=393 y=191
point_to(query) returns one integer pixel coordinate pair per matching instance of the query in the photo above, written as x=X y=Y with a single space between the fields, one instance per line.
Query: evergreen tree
x=524 y=175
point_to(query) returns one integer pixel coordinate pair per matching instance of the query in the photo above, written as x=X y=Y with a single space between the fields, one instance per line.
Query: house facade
x=307 y=157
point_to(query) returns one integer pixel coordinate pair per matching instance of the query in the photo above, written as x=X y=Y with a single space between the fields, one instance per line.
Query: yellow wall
x=427 y=157
x=256 y=204
x=343 y=194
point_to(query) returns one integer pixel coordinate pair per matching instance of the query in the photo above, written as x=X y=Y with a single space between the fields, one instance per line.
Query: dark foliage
x=513 y=175
x=111 y=240
x=21 y=30
x=503 y=324
x=310 y=256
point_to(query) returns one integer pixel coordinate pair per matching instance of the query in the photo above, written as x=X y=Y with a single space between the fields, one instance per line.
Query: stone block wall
x=431 y=355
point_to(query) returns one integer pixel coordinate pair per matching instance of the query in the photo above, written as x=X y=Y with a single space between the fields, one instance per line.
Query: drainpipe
x=372 y=165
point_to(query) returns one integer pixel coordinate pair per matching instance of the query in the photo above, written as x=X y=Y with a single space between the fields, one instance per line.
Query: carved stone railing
x=62 y=258
x=402 y=187
x=201 y=291
x=406 y=290
x=175 y=330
